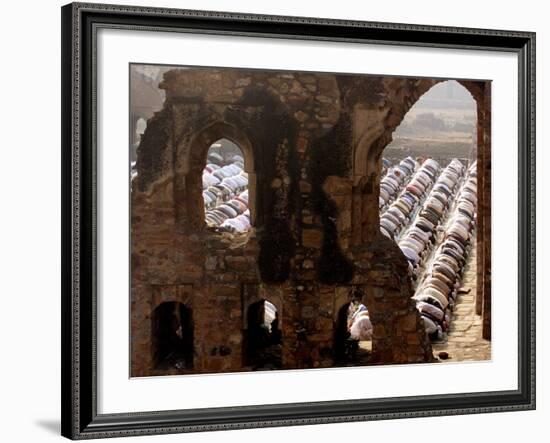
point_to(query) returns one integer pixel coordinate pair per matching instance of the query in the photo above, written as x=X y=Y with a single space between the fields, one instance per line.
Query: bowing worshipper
x=361 y=329
x=355 y=307
x=432 y=328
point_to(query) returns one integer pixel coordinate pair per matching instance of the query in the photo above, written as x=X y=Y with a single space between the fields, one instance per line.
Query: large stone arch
x=370 y=140
x=374 y=125
x=375 y=108
x=204 y=137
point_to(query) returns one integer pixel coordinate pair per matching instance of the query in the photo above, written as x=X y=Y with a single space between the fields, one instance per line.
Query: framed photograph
x=273 y=221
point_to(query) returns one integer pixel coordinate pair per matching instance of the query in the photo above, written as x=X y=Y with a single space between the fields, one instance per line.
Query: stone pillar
x=486 y=213
x=356 y=225
x=339 y=190
x=141 y=325
x=480 y=265
x=398 y=331
x=219 y=322
x=291 y=326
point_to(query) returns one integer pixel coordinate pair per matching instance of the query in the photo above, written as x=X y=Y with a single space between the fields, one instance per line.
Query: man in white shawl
x=361 y=328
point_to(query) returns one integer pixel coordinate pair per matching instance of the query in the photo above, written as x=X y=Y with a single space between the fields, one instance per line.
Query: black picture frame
x=79 y=390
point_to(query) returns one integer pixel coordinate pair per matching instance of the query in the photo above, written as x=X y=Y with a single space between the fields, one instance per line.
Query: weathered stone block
x=312 y=238
x=408 y=323
x=238 y=263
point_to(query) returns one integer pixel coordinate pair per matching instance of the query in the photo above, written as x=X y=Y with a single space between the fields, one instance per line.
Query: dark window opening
x=173 y=336
x=263 y=337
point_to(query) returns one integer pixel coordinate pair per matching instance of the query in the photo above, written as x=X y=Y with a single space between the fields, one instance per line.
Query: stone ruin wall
x=312 y=145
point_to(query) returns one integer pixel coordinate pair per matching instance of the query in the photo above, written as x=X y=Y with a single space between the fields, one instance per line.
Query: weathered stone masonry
x=312 y=145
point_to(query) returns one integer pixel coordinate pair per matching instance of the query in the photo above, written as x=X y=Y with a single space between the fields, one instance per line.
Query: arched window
x=263 y=336
x=195 y=164
x=435 y=150
x=172 y=336
x=225 y=188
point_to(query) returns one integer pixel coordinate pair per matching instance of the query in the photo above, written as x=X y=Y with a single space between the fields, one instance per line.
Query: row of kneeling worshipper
x=221 y=183
x=401 y=211
x=419 y=239
x=225 y=193
x=226 y=159
x=232 y=215
x=437 y=292
x=394 y=180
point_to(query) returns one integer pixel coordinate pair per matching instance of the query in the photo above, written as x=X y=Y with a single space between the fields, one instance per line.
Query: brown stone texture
x=312 y=145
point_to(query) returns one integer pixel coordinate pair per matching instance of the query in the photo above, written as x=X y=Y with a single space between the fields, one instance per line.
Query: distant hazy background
x=441 y=124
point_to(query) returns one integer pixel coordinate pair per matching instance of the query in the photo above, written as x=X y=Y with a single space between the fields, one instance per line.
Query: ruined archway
x=438 y=128
x=373 y=134
x=191 y=160
x=372 y=139
x=374 y=130
x=380 y=265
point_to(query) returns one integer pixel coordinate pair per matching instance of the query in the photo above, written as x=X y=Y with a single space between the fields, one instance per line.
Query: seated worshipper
x=355 y=307
x=361 y=329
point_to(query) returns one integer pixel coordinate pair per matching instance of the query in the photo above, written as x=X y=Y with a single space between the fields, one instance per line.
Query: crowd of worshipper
x=400 y=213
x=418 y=241
x=431 y=213
x=225 y=193
x=394 y=178
x=437 y=292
